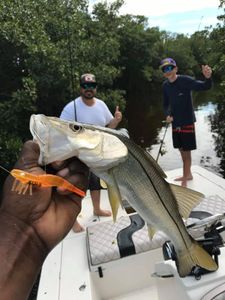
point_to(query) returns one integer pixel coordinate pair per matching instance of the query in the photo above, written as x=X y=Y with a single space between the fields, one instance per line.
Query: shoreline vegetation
x=45 y=46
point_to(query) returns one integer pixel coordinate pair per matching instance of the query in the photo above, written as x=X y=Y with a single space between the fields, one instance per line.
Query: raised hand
x=118 y=114
x=206 y=71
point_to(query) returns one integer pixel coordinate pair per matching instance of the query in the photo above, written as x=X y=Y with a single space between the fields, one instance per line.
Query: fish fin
x=186 y=198
x=196 y=256
x=114 y=199
x=107 y=180
x=151 y=231
x=103 y=184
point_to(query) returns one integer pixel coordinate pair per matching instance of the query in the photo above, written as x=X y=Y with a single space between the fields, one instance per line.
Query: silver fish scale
x=142 y=185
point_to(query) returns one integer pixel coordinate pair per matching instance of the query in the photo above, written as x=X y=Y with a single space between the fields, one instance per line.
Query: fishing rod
x=71 y=56
x=162 y=140
x=70 y=49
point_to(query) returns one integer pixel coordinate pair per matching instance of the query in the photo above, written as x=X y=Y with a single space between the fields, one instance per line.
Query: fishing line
x=4 y=169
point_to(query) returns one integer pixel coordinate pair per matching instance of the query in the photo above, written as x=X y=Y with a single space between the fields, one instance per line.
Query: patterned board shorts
x=184 y=137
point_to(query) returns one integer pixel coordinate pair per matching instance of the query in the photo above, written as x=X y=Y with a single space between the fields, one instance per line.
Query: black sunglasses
x=167 y=69
x=89 y=85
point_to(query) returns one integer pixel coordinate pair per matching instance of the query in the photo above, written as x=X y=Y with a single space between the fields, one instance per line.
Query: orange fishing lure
x=26 y=180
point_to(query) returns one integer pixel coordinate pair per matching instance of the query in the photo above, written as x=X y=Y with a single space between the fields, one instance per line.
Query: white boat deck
x=66 y=276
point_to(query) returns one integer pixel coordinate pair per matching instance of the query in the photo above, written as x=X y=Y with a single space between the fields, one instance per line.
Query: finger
x=117 y=109
x=76 y=173
x=59 y=164
x=63 y=173
x=76 y=166
x=68 y=208
x=29 y=155
x=204 y=67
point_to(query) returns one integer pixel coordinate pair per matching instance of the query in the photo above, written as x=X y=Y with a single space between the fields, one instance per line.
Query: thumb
x=29 y=156
x=117 y=108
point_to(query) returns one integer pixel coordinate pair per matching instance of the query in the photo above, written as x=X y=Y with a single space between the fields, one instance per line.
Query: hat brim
x=167 y=64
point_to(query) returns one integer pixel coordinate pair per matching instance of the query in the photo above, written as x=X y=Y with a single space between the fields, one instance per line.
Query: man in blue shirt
x=178 y=108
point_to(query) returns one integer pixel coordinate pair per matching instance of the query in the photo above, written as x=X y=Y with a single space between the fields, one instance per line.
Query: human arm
x=68 y=112
x=166 y=106
x=200 y=85
x=31 y=226
x=116 y=120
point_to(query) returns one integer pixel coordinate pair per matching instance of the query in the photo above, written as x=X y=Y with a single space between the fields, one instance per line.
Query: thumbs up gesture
x=118 y=114
x=207 y=71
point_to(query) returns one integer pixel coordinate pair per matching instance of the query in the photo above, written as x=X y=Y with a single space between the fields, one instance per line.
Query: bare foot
x=182 y=178
x=184 y=183
x=77 y=227
x=102 y=213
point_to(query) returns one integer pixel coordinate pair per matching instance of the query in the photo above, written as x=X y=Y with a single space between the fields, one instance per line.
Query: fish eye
x=75 y=127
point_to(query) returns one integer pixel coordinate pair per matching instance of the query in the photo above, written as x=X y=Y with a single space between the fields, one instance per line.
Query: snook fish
x=130 y=173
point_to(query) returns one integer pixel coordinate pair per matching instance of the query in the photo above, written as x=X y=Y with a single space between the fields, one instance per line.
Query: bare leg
x=187 y=175
x=95 y=197
x=77 y=227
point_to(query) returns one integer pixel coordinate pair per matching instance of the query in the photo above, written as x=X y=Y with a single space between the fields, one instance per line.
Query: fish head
x=98 y=147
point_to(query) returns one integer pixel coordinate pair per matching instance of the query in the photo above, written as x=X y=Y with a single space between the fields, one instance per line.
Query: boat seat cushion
x=108 y=241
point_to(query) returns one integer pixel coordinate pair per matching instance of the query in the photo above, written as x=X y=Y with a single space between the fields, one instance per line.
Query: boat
x=89 y=266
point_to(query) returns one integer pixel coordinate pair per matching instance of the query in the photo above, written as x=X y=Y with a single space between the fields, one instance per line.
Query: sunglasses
x=167 y=69
x=89 y=85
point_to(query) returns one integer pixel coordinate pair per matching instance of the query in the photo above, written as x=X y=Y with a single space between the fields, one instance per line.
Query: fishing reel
x=211 y=242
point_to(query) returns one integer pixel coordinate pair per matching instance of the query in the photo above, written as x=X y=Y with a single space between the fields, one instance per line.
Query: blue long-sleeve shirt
x=177 y=98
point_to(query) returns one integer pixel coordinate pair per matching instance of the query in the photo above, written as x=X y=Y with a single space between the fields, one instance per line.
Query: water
x=205 y=154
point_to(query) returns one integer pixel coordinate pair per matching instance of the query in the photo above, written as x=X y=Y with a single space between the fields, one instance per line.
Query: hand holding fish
x=50 y=213
x=30 y=226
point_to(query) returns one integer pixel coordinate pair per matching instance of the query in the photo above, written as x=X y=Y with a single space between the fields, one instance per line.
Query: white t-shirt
x=97 y=114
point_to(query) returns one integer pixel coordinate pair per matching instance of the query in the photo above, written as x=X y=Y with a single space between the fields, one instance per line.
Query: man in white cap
x=90 y=110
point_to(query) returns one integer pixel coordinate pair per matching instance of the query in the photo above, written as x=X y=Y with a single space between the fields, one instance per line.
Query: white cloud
x=164 y=7
x=174 y=15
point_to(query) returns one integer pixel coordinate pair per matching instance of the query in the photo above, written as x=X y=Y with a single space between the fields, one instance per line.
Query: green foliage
x=15 y=113
x=217 y=51
x=10 y=146
x=113 y=98
x=46 y=45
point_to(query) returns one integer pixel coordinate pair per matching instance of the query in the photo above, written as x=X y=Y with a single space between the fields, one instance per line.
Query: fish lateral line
x=142 y=166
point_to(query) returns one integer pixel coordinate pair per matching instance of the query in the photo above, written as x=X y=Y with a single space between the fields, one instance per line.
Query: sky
x=175 y=15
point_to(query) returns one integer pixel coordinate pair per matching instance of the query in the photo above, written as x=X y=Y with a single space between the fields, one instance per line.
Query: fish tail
x=195 y=256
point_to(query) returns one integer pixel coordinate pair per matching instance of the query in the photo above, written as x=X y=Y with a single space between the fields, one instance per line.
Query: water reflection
x=218 y=129
x=146 y=129
x=205 y=154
